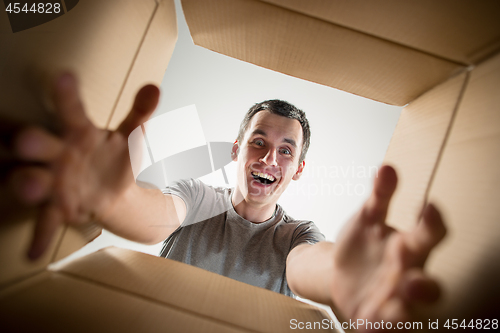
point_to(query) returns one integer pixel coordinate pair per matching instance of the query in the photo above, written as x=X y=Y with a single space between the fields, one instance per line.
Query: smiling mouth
x=263 y=178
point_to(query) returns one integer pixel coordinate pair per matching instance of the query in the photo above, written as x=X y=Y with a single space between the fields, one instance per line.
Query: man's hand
x=80 y=174
x=378 y=271
x=372 y=272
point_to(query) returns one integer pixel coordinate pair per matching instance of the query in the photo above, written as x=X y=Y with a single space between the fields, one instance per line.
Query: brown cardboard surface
x=74 y=238
x=314 y=49
x=15 y=237
x=467 y=189
x=97 y=40
x=106 y=44
x=126 y=291
x=152 y=58
x=415 y=147
x=463 y=31
x=79 y=306
x=192 y=289
x=16 y=232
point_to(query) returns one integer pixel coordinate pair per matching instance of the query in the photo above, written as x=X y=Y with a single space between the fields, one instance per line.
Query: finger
x=375 y=208
x=31 y=185
x=67 y=185
x=416 y=287
x=427 y=234
x=49 y=220
x=35 y=144
x=69 y=104
x=145 y=103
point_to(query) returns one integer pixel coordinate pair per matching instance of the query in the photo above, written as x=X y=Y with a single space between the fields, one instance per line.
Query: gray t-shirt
x=214 y=237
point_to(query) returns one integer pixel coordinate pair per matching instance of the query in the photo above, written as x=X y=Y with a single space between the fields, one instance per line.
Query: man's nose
x=269 y=158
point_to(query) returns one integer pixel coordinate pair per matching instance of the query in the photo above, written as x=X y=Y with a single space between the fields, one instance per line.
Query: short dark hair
x=284 y=109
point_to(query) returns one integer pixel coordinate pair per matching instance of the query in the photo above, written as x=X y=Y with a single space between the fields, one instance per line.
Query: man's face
x=268 y=157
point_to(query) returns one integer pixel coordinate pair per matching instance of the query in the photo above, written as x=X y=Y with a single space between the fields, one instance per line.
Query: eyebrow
x=261 y=132
x=291 y=142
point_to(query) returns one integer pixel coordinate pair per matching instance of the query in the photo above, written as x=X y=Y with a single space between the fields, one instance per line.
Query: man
x=372 y=272
x=243 y=233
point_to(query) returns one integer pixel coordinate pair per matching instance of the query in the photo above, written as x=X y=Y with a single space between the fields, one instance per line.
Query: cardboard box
x=440 y=58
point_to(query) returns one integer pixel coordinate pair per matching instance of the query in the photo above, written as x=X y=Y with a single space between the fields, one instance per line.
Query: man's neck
x=252 y=212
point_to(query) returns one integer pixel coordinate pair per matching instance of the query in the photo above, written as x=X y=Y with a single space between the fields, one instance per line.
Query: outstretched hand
x=378 y=271
x=80 y=174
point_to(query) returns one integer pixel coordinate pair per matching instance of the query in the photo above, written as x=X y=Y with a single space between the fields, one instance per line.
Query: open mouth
x=263 y=178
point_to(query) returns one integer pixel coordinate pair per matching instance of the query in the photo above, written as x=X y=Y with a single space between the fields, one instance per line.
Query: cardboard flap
x=16 y=232
x=466 y=187
x=151 y=60
x=415 y=147
x=313 y=49
x=97 y=40
x=74 y=238
x=464 y=31
x=52 y=302
x=191 y=290
x=110 y=46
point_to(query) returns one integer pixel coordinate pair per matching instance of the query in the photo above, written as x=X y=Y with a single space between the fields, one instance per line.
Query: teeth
x=263 y=175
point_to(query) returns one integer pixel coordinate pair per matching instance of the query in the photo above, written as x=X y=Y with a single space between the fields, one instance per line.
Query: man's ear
x=297 y=175
x=234 y=151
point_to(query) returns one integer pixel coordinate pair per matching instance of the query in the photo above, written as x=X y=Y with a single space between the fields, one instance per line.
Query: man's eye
x=259 y=142
x=286 y=151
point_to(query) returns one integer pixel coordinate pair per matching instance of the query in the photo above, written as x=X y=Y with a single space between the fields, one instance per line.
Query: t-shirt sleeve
x=184 y=189
x=189 y=191
x=306 y=232
x=202 y=201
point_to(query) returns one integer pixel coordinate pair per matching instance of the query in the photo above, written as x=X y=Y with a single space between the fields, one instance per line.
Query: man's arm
x=85 y=174
x=145 y=215
x=309 y=271
x=373 y=272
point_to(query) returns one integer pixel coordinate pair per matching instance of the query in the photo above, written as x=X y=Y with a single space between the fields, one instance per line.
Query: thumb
x=49 y=219
x=145 y=103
